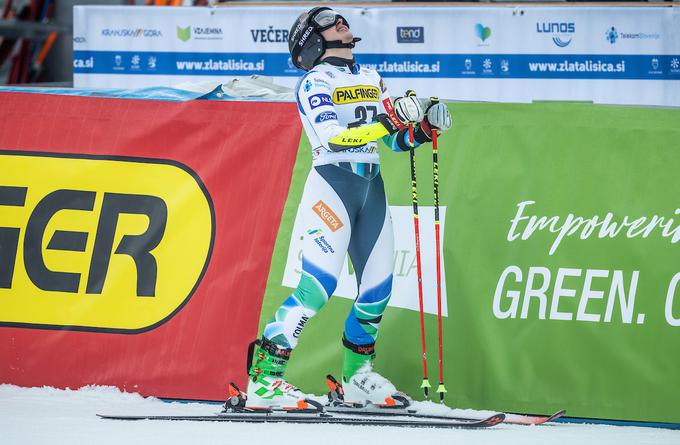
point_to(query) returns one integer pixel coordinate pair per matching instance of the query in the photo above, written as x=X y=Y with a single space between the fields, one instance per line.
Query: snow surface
x=31 y=416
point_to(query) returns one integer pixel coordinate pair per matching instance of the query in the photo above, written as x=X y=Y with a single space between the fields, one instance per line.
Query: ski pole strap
x=359 y=349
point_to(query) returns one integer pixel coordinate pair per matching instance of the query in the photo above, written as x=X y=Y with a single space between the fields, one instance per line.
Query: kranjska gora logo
x=134 y=33
x=99 y=243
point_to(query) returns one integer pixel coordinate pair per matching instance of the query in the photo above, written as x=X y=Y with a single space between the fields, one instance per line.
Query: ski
x=514 y=419
x=400 y=406
x=527 y=419
x=320 y=417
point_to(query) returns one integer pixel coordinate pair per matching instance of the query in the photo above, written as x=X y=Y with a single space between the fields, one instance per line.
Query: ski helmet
x=305 y=43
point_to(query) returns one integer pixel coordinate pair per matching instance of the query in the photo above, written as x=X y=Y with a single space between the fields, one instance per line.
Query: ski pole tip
x=441 y=390
x=426 y=387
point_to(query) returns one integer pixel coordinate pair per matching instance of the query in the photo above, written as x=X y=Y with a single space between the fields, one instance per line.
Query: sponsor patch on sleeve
x=318 y=100
x=326 y=116
x=320 y=83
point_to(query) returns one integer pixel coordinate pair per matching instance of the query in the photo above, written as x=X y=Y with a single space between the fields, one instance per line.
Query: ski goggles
x=327 y=18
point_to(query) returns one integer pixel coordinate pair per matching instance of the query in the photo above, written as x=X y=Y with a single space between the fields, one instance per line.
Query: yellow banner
x=99 y=243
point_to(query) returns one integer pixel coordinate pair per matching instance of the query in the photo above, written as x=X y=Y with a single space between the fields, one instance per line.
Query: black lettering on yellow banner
x=99 y=243
x=359 y=93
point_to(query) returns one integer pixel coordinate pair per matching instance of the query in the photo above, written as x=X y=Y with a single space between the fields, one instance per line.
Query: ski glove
x=408 y=109
x=439 y=117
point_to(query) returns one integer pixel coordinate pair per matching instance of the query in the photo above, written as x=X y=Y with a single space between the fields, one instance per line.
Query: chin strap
x=339 y=44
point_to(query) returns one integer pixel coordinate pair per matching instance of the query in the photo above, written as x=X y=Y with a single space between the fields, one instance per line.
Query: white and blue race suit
x=344 y=208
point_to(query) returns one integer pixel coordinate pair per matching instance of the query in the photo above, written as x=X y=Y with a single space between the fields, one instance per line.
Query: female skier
x=344 y=108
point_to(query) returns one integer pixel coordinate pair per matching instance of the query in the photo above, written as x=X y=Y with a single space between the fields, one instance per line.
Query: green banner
x=561 y=255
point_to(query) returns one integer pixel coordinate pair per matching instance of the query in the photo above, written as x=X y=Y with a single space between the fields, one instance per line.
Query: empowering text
x=523 y=226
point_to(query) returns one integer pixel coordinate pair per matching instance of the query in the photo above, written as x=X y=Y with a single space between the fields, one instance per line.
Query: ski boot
x=362 y=385
x=266 y=386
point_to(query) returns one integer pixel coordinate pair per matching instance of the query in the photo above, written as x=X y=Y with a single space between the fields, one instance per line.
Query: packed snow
x=32 y=416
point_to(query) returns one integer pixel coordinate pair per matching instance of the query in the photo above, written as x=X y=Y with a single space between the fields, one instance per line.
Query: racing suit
x=344 y=208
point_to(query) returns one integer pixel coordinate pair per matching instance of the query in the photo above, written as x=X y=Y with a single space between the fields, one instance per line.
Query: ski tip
x=116 y=417
x=494 y=420
x=557 y=415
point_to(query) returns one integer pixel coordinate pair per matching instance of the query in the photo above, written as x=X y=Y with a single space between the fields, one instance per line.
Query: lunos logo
x=360 y=93
x=99 y=244
x=562 y=32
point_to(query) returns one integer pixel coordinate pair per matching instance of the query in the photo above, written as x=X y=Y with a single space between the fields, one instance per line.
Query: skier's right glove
x=422 y=132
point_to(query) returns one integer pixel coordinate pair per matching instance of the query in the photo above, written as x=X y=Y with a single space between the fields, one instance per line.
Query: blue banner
x=509 y=66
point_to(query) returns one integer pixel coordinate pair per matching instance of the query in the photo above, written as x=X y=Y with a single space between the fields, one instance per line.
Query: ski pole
x=425 y=385
x=441 y=389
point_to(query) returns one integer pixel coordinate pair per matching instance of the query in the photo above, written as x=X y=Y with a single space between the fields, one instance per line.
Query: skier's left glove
x=408 y=109
x=439 y=117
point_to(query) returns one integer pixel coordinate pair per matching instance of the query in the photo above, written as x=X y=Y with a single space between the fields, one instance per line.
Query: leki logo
x=328 y=216
x=83 y=249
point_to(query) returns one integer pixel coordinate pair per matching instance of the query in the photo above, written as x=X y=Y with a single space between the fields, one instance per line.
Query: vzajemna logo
x=99 y=243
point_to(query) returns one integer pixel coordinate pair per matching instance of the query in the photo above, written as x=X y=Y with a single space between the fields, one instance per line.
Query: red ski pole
x=441 y=389
x=425 y=385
